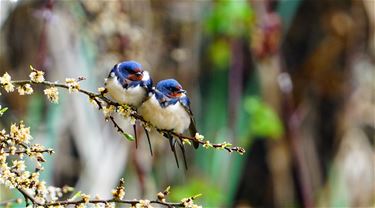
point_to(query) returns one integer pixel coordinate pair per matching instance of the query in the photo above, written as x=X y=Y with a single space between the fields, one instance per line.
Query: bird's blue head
x=130 y=70
x=170 y=88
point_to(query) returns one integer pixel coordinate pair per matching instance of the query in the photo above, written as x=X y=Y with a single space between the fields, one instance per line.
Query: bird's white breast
x=131 y=96
x=171 y=117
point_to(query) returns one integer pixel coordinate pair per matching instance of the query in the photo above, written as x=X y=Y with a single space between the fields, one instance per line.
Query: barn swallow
x=129 y=84
x=168 y=107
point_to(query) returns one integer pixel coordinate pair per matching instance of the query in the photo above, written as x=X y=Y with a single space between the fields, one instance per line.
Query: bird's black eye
x=134 y=70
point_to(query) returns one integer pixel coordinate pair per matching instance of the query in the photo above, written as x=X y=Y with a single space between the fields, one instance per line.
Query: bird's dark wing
x=192 y=128
x=147 y=84
x=149 y=94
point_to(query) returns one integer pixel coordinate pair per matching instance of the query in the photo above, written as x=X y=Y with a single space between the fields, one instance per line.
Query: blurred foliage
x=211 y=194
x=219 y=54
x=227 y=23
x=230 y=18
x=35 y=111
x=264 y=120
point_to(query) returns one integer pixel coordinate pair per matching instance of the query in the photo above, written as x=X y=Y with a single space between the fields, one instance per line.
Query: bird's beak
x=181 y=91
x=178 y=93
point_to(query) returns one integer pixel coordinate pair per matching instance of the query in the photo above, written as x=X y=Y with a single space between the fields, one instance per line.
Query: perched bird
x=128 y=83
x=168 y=107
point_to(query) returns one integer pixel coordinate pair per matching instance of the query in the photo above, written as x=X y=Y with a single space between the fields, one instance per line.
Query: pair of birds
x=166 y=106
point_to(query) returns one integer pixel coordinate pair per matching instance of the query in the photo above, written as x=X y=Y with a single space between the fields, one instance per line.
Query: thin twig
x=101 y=201
x=49 y=151
x=115 y=124
x=26 y=150
x=27 y=197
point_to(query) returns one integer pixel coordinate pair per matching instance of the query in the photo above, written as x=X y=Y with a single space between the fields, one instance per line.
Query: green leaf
x=220 y=54
x=2 y=110
x=230 y=18
x=213 y=195
x=75 y=196
x=264 y=121
x=128 y=136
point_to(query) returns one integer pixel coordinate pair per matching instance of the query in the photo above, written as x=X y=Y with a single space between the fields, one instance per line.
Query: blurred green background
x=291 y=81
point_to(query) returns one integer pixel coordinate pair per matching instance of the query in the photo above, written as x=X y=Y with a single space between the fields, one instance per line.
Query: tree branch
x=133 y=114
x=118 y=201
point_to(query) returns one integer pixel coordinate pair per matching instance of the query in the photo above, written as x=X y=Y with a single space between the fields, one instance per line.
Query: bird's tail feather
x=193 y=131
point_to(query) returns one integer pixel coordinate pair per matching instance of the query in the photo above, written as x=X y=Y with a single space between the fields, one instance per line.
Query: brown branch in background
x=98 y=98
x=140 y=170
